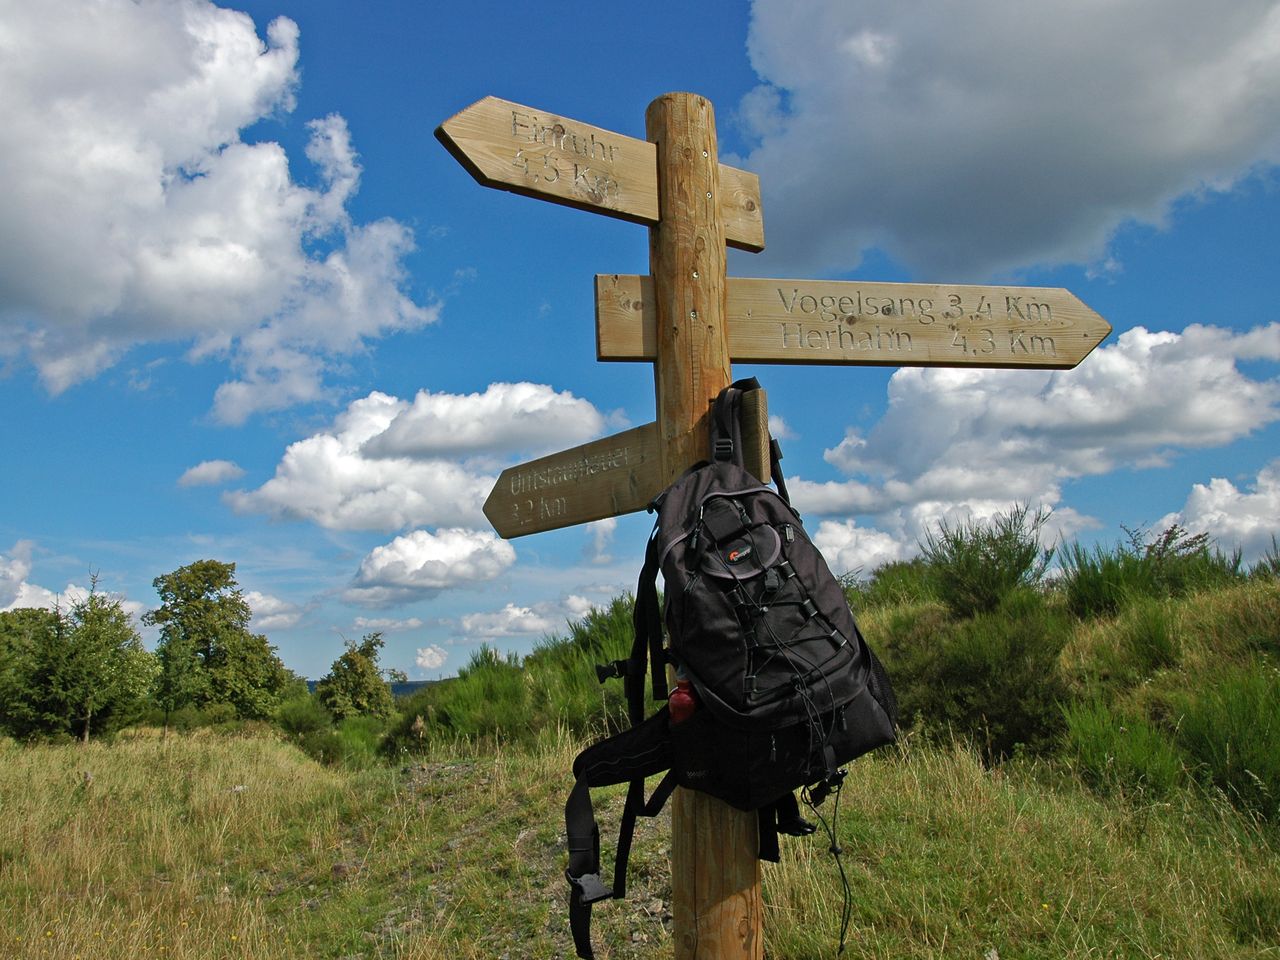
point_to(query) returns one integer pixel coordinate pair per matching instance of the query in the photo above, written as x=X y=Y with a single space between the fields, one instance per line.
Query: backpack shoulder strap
x=726 y=421
x=633 y=755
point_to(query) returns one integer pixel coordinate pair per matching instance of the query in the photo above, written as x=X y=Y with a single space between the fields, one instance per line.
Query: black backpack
x=787 y=690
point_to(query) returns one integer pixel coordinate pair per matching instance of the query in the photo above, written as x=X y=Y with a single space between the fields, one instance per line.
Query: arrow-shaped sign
x=849 y=322
x=539 y=154
x=603 y=478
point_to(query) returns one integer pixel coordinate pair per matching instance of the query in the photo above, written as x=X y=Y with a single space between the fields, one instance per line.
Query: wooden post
x=715 y=873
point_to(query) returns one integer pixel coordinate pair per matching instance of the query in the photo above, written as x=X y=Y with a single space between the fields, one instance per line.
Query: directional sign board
x=539 y=154
x=603 y=478
x=874 y=324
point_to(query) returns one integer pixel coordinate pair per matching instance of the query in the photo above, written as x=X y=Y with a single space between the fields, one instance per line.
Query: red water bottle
x=682 y=701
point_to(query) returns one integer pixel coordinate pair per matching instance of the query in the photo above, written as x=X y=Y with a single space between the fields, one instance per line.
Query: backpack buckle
x=618 y=668
x=588 y=888
x=722 y=449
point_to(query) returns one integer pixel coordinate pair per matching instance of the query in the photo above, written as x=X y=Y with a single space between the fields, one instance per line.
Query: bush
x=1147 y=633
x=1175 y=563
x=505 y=698
x=359 y=739
x=1231 y=728
x=1269 y=566
x=1115 y=754
x=975 y=565
x=899 y=583
x=992 y=679
x=301 y=715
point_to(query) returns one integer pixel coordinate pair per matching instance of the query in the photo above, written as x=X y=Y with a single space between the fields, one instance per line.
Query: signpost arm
x=715 y=873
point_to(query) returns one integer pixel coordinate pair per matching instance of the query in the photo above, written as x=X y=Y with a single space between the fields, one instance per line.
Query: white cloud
x=600 y=535
x=988 y=136
x=387 y=624
x=421 y=564
x=510 y=621
x=505 y=418
x=951 y=436
x=15 y=591
x=135 y=213
x=211 y=473
x=272 y=613
x=538 y=620
x=432 y=657
x=848 y=548
x=1234 y=518
x=383 y=463
x=328 y=480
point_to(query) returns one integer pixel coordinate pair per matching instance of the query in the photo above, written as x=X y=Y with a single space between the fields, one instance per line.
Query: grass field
x=211 y=846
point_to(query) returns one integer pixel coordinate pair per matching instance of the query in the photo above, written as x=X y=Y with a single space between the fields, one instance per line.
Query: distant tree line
x=82 y=670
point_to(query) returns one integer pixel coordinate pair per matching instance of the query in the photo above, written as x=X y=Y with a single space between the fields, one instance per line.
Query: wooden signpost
x=691 y=322
x=867 y=324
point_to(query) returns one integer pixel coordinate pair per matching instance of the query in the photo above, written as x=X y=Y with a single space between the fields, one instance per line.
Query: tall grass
x=461 y=856
x=1231 y=729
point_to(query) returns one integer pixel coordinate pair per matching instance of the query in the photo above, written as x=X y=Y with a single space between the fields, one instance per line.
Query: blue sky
x=250 y=310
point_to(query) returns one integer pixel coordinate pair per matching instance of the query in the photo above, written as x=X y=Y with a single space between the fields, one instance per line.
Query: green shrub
x=1116 y=754
x=322 y=745
x=975 y=565
x=1231 y=729
x=1149 y=635
x=301 y=715
x=1268 y=567
x=506 y=698
x=899 y=583
x=1174 y=563
x=359 y=739
x=1098 y=582
x=992 y=679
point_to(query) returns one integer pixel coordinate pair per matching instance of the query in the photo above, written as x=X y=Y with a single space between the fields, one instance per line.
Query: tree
x=354 y=684
x=80 y=672
x=25 y=634
x=105 y=673
x=207 y=653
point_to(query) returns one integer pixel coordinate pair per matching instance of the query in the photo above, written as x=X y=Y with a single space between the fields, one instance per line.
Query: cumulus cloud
x=538 y=620
x=1233 y=517
x=18 y=592
x=211 y=473
x=850 y=549
x=328 y=480
x=1134 y=403
x=272 y=613
x=600 y=535
x=432 y=657
x=371 y=470
x=15 y=590
x=421 y=564
x=506 y=417
x=950 y=437
x=135 y=212
x=387 y=624
x=989 y=136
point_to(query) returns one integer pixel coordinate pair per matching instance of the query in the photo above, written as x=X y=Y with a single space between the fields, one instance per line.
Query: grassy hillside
x=211 y=846
x=1088 y=768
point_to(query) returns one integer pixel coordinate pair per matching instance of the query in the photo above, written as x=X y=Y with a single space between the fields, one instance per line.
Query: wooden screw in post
x=715 y=873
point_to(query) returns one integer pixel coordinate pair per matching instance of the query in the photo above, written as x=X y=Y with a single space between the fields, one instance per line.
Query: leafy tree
x=81 y=672
x=207 y=653
x=25 y=635
x=354 y=685
x=105 y=673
